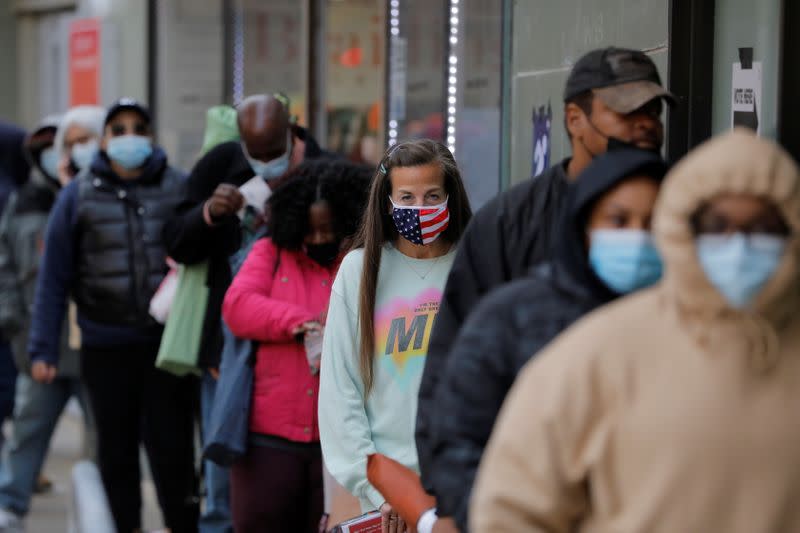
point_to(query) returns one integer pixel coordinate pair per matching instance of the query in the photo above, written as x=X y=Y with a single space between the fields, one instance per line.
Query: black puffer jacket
x=509 y=326
x=103 y=248
x=122 y=259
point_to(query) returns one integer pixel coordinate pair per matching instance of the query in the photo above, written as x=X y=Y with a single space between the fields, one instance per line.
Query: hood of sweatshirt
x=734 y=163
x=601 y=176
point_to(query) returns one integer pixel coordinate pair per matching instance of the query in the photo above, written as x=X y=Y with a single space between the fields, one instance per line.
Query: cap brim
x=119 y=109
x=627 y=97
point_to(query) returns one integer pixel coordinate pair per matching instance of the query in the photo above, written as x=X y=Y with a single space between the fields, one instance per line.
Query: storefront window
x=270 y=51
x=190 y=74
x=354 y=78
x=477 y=78
x=417 y=66
x=746 y=94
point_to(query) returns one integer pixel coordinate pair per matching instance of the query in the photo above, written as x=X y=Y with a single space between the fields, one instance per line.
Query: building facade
x=483 y=76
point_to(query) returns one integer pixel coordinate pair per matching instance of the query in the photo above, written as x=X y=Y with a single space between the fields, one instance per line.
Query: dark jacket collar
x=313 y=149
x=152 y=172
x=239 y=164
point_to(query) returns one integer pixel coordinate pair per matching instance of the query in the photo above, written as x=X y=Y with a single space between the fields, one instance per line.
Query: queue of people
x=605 y=347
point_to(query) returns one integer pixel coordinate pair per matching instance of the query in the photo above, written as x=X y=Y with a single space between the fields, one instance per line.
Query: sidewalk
x=49 y=512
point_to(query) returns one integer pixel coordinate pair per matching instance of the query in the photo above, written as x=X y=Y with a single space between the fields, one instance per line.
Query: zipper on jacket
x=130 y=216
x=139 y=244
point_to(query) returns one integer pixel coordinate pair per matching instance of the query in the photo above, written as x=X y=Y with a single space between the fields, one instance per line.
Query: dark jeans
x=134 y=402
x=8 y=380
x=277 y=490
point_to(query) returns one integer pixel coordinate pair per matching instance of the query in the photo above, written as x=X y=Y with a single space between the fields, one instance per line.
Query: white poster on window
x=746 y=96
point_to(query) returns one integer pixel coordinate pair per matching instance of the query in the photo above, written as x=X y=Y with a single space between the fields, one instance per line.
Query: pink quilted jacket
x=265 y=305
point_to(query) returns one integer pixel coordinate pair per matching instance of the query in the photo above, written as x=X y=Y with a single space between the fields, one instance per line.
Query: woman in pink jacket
x=279 y=299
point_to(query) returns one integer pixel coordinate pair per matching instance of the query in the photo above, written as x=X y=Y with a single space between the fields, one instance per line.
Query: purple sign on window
x=542 y=122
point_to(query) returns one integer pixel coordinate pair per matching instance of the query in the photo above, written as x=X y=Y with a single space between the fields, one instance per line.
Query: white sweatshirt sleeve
x=344 y=427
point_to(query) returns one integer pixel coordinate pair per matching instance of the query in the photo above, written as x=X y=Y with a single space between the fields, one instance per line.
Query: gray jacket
x=22 y=228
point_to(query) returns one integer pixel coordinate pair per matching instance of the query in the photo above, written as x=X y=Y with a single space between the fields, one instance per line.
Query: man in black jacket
x=206 y=227
x=613 y=97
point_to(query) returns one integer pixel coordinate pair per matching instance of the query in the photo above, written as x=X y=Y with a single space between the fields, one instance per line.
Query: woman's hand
x=300 y=331
x=391 y=521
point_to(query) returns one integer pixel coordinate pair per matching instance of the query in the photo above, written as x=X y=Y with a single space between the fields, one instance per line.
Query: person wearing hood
x=37 y=406
x=605 y=251
x=14 y=167
x=673 y=409
x=77 y=141
x=14 y=170
x=34 y=148
x=103 y=247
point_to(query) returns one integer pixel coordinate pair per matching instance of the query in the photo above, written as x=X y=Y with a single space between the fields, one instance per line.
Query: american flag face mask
x=421 y=224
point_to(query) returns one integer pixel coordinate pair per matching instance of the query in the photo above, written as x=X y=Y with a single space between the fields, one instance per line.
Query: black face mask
x=323 y=254
x=613 y=143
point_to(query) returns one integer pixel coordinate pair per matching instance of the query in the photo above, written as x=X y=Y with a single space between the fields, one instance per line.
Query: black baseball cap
x=622 y=78
x=127 y=104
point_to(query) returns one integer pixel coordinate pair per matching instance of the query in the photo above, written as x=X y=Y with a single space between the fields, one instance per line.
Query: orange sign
x=84 y=62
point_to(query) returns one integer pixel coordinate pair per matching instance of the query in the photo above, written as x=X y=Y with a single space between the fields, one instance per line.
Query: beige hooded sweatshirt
x=667 y=411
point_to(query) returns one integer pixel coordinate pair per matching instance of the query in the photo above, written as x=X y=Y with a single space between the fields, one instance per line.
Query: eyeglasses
x=715 y=225
x=139 y=128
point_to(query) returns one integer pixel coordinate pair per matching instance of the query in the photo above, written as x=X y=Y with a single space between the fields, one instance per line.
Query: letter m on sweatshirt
x=401 y=338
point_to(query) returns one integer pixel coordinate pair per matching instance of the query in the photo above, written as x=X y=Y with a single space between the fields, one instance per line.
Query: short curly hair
x=343 y=185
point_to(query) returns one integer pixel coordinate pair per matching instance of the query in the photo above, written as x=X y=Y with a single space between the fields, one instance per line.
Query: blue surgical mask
x=740 y=265
x=273 y=169
x=130 y=151
x=83 y=153
x=48 y=159
x=625 y=260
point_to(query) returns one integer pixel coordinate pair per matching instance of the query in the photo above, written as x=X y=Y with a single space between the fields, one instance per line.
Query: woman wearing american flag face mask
x=383 y=306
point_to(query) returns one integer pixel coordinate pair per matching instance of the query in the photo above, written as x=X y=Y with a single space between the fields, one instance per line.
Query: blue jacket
x=58 y=276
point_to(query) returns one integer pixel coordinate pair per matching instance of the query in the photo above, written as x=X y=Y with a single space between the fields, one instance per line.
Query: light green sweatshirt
x=406 y=304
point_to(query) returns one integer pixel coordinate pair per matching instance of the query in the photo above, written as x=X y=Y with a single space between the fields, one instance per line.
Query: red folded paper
x=401 y=487
x=368 y=523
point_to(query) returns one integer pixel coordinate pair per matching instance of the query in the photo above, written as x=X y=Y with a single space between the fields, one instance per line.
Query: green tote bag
x=180 y=343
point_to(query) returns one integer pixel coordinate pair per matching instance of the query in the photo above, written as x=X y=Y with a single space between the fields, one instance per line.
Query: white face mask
x=83 y=153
